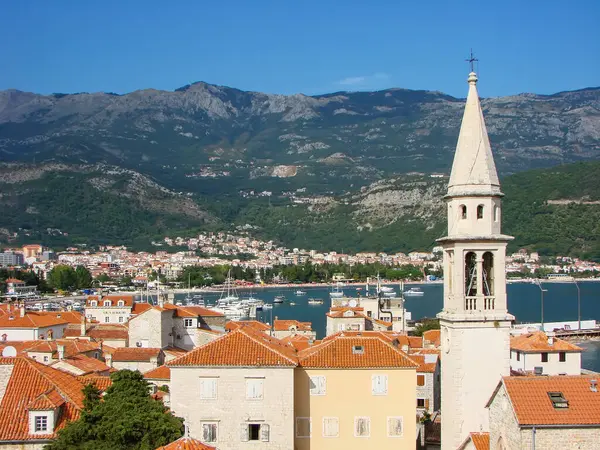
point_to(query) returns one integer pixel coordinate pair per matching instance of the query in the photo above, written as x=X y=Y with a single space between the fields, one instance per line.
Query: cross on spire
x=471 y=60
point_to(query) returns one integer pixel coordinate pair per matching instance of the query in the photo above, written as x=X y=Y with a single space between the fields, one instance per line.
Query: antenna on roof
x=471 y=60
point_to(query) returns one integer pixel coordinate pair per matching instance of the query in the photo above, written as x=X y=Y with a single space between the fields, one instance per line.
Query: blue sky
x=291 y=46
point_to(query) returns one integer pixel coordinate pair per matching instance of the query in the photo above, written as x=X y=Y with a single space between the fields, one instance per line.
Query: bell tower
x=474 y=321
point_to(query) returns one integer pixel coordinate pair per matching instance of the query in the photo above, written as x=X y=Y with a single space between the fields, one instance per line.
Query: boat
x=315 y=301
x=279 y=299
x=414 y=292
x=229 y=295
x=390 y=294
x=267 y=306
x=292 y=303
x=198 y=300
x=385 y=289
x=337 y=292
x=300 y=292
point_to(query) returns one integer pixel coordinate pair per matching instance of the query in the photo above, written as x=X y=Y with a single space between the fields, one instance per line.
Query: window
x=480 y=212
x=41 y=423
x=255 y=432
x=188 y=323
x=209 y=432
x=358 y=349
x=496 y=211
x=362 y=427
x=518 y=356
x=420 y=403
x=420 y=380
x=106 y=319
x=394 y=426
x=93 y=303
x=254 y=388
x=120 y=303
x=107 y=302
x=471 y=274
x=331 y=427
x=463 y=211
x=558 y=400
x=562 y=357
x=120 y=319
x=45 y=359
x=5 y=337
x=208 y=388
x=379 y=384
x=303 y=427
x=369 y=314
x=317 y=385
x=488 y=274
x=544 y=357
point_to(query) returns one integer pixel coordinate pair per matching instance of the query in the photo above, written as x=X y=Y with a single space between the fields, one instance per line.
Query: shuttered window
x=255 y=432
x=303 y=427
x=317 y=385
x=208 y=388
x=362 y=427
x=331 y=427
x=209 y=432
x=379 y=384
x=254 y=388
x=394 y=426
x=420 y=380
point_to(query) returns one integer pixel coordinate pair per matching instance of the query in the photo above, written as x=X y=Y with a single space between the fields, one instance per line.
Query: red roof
x=186 y=443
x=193 y=311
x=139 y=308
x=432 y=337
x=86 y=364
x=29 y=320
x=234 y=325
x=285 y=325
x=69 y=316
x=354 y=352
x=481 y=441
x=242 y=347
x=135 y=354
x=532 y=405
x=160 y=373
x=34 y=384
x=98 y=331
x=538 y=342
x=114 y=299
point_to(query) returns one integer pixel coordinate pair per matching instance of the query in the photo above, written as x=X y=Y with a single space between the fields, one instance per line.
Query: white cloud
x=373 y=81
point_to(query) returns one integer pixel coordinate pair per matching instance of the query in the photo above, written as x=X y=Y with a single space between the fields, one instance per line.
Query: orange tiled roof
x=234 y=325
x=432 y=337
x=46 y=401
x=337 y=312
x=160 y=373
x=285 y=325
x=481 y=441
x=135 y=354
x=193 y=311
x=102 y=383
x=98 y=331
x=86 y=363
x=532 y=405
x=423 y=366
x=175 y=351
x=28 y=381
x=242 y=347
x=538 y=342
x=186 y=443
x=29 y=320
x=72 y=346
x=298 y=341
x=139 y=308
x=338 y=353
x=68 y=316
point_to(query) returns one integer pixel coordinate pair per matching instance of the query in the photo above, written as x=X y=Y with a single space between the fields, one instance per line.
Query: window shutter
x=420 y=380
x=264 y=432
x=249 y=388
x=426 y=403
x=206 y=432
x=312 y=383
x=244 y=432
x=322 y=385
x=384 y=383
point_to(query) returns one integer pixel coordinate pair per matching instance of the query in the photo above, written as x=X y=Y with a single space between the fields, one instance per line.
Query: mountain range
x=103 y=167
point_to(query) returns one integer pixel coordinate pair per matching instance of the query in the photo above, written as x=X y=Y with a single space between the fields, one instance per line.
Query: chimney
x=550 y=335
x=83 y=328
x=108 y=359
x=61 y=351
x=171 y=297
x=161 y=301
x=22 y=309
x=594 y=385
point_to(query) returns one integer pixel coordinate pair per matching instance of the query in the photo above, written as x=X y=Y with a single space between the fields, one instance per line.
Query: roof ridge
x=42 y=373
x=243 y=331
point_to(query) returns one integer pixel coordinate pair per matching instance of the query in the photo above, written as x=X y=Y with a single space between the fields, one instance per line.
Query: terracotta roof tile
x=242 y=347
x=135 y=354
x=423 y=366
x=432 y=337
x=86 y=363
x=29 y=320
x=234 y=325
x=339 y=353
x=285 y=325
x=538 y=342
x=193 y=311
x=481 y=441
x=99 y=331
x=102 y=383
x=139 y=308
x=27 y=382
x=532 y=404
x=415 y=342
x=175 y=351
x=114 y=299
x=186 y=443
x=160 y=373
x=68 y=316
x=46 y=401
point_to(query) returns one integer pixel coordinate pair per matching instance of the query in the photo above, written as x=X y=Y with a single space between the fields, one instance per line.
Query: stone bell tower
x=474 y=321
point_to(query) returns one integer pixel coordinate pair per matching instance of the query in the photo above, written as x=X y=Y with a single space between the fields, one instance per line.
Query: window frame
x=106 y=303
x=106 y=319
x=337 y=421
x=368 y=419
x=480 y=209
x=421 y=376
x=309 y=419
x=210 y=423
x=215 y=380
x=317 y=393
x=545 y=357
x=385 y=390
x=518 y=355
x=187 y=321
x=250 y=425
x=38 y=421
x=262 y=388
x=562 y=356
x=419 y=406
x=401 y=419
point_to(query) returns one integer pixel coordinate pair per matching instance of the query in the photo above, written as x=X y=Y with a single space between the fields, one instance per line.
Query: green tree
x=83 y=277
x=126 y=418
x=426 y=325
x=62 y=277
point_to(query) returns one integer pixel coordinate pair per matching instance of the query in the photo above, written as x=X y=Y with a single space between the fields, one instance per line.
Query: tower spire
x=473 y=170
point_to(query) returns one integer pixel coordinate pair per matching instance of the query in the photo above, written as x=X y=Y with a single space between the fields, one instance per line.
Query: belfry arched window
x=496 y=211
x=463 y=211
x=480 y=212
x=470 y=274
x=488 y=274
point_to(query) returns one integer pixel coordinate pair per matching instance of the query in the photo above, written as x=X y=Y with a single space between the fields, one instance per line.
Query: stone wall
x=5 y=373
x=561 y=438
x=503 y=422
